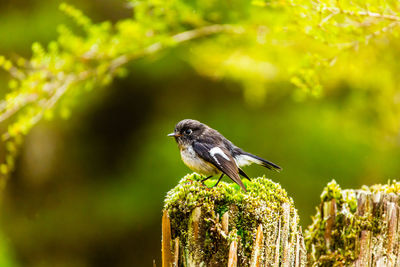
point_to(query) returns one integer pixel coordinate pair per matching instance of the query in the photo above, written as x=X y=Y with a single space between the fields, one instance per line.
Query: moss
x=347 y=228
x=261 y=204
x=392 y=186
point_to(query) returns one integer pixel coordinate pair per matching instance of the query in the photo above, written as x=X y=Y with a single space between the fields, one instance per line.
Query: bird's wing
x=220 y=158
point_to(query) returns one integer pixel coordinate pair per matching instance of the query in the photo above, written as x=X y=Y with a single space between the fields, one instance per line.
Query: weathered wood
x=356 y=227
x=232 y=257
x=352 y=228
x=225 y=223
x=329 y=216
x=257 y=247
x=195 y=255
x=278 y=246
x=363 y=241
x=285 y=259
x=244 y=229
x=176 y=252
x=166 y=241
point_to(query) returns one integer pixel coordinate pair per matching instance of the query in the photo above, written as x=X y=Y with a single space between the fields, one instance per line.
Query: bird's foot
x=205 y=179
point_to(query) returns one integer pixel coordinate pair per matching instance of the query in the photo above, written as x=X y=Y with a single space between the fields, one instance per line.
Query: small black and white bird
x=207 y=152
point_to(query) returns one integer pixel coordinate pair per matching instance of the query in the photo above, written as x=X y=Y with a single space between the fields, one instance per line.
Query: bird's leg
x=219 y=180
x=205 y=179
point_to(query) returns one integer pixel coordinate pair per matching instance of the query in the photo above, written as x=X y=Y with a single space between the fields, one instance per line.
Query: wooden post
x=260 y=228
x=356 y=227
x=166 y=241
x=225 y=226
x=232 y=257
x=257 y=248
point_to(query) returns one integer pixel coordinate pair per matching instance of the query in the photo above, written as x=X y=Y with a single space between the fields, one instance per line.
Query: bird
x=207 y=152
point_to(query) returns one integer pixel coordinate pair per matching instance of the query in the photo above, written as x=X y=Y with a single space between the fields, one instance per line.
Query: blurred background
x=88 y=191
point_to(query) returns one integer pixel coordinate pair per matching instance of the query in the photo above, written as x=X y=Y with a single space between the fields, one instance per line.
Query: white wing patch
x=244 y=160
x=217 y=150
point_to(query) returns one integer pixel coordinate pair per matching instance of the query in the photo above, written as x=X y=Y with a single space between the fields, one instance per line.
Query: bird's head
x=187 y=131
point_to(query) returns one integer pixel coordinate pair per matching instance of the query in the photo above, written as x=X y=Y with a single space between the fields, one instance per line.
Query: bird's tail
x=263 y=162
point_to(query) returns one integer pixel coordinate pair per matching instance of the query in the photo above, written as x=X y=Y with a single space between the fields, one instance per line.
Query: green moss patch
x=261 y=204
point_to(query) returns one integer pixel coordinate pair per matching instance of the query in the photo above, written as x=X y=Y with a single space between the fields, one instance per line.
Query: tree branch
x=337 y=10
x=177 y=38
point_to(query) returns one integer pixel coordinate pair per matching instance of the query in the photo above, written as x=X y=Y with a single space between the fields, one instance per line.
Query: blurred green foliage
x=312 y=86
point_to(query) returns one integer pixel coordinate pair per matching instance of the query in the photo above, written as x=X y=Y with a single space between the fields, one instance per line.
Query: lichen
x=348 y=225
x=261 y=204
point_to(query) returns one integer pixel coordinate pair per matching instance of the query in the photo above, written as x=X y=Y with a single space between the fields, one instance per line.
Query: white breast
x=197 y=164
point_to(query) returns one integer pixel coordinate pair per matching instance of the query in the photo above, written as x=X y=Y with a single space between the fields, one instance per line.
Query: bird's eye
x=188 y=131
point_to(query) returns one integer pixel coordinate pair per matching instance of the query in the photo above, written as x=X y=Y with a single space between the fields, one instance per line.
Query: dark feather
x=242 y=173
x=226 y=166
x=263 y=162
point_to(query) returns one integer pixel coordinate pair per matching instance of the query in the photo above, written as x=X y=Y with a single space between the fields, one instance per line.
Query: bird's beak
x=174 y=134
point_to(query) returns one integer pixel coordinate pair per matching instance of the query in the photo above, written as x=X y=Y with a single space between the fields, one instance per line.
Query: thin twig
x=17 y=73
x=26 y=99
x=385 y=29
x=177 y=38
x=337 y=10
